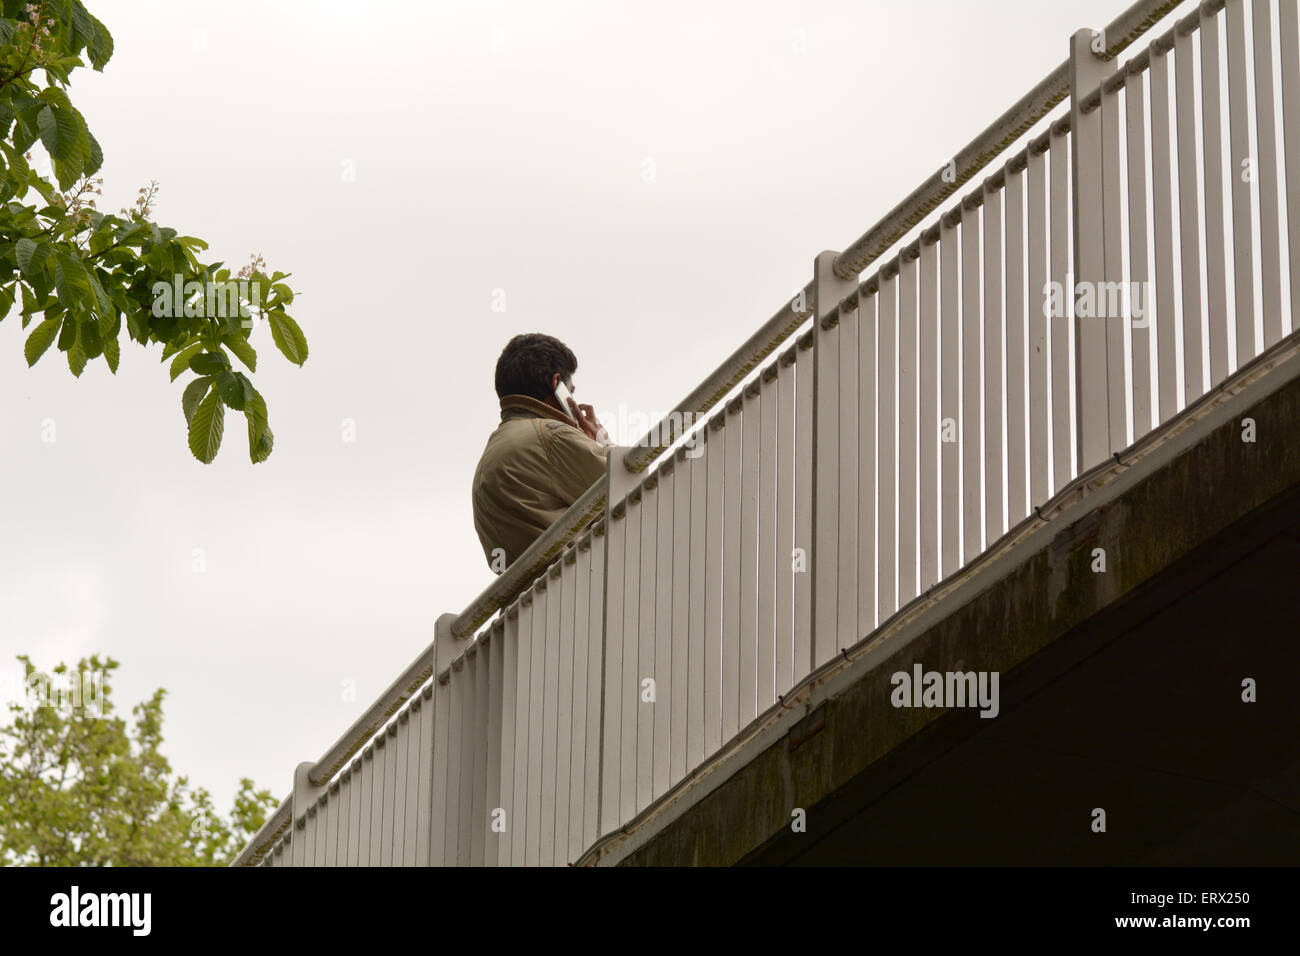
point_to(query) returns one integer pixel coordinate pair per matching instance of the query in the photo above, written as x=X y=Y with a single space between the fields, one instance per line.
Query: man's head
x=531 y=364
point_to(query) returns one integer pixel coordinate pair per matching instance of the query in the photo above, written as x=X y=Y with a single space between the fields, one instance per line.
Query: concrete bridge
x=975 y=559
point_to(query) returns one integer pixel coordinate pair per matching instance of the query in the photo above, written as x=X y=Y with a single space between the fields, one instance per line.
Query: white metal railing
x=927 y=413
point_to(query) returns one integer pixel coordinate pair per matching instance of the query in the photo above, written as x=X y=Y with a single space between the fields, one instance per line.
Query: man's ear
x=555 y=381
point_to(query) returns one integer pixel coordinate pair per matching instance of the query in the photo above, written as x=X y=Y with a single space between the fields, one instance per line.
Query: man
x=541 y=458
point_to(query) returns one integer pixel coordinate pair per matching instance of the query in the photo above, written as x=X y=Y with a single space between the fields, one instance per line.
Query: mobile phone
x=562 y=395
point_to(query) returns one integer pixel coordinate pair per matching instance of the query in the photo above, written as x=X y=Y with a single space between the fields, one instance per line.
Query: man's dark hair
x=529 y=361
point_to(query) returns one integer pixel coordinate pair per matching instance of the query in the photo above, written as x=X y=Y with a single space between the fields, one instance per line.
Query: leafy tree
x=79 y=787
x=82 y=275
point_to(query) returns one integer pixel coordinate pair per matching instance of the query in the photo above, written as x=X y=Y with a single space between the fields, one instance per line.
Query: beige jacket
x=536 y=464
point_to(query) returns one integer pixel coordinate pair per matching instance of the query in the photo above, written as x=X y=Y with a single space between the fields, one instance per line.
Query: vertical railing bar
x=1189 y=218
x=629 y=697
x=1216 y=302
x=345 y=818
x=697 y=648
x=1040 y=450
x=460 y=767
x=509 y=737
x=480 y=743
x=971 y=410
x=583 y=699
x=1162 y=177
x=645 y=629
x=785 y=541
x=1115 y=311
x=495 y=730
x=993 y=318
x=950 y=510
x=593 y=762
x=402 y=748
x=1141 y=328
x=565 y=693
x=1016 y=363
x=768 y=581
x=868 y=562
x=733 y=435
x=907 y=342
x=611 y=721
x=666 y=688
x=412 y=831
x=846 y=528
x=1063 y=310
x=927 y=430
x=682 y=587
x=747 y=669
x=1093 y=418
x=378 y=788
x=546 y=844
x=800 y=557
x=1289 y=48
x=1241 y=173
x=536 y=670
x=886 y=461
x=517 y=821
x=1268 y=173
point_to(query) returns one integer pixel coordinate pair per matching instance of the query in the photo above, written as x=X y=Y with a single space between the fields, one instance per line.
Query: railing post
x=446 y=647
x=305 y=795
x=1087 y=70
x=823 y=557
x=620 y=481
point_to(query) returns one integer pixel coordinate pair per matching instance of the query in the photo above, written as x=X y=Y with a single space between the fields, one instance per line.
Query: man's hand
x=585 y=416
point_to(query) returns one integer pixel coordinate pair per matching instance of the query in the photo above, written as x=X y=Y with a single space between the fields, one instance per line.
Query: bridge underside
x=1138 y=712
x=1120 y=691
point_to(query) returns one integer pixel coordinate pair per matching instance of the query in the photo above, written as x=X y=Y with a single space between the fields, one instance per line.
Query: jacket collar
x=524 y=406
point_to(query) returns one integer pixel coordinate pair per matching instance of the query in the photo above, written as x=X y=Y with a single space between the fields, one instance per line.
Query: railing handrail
x=871 y=245
x=895 y=224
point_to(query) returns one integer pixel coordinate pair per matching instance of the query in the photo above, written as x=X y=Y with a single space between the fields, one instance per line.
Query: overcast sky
x=647 y=181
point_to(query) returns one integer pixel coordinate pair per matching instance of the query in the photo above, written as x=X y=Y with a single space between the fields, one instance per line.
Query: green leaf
x=25 y=133
x=68 y=335
x=89 y=340
x=262 y=450
x=77 y=359
x=83 y=28
x=94 y=155
x=39 y=341
x=260 y=439
x=31 y=256
x=193 y=394
x=206 y=427
x=73 y=282
x=103 y=305
x=242 y=349
x=62 y=135
x=112 y=353
x=288 y=337
x=235 y=389
x=182 y=360
x=209 y=363
x=101 y=45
